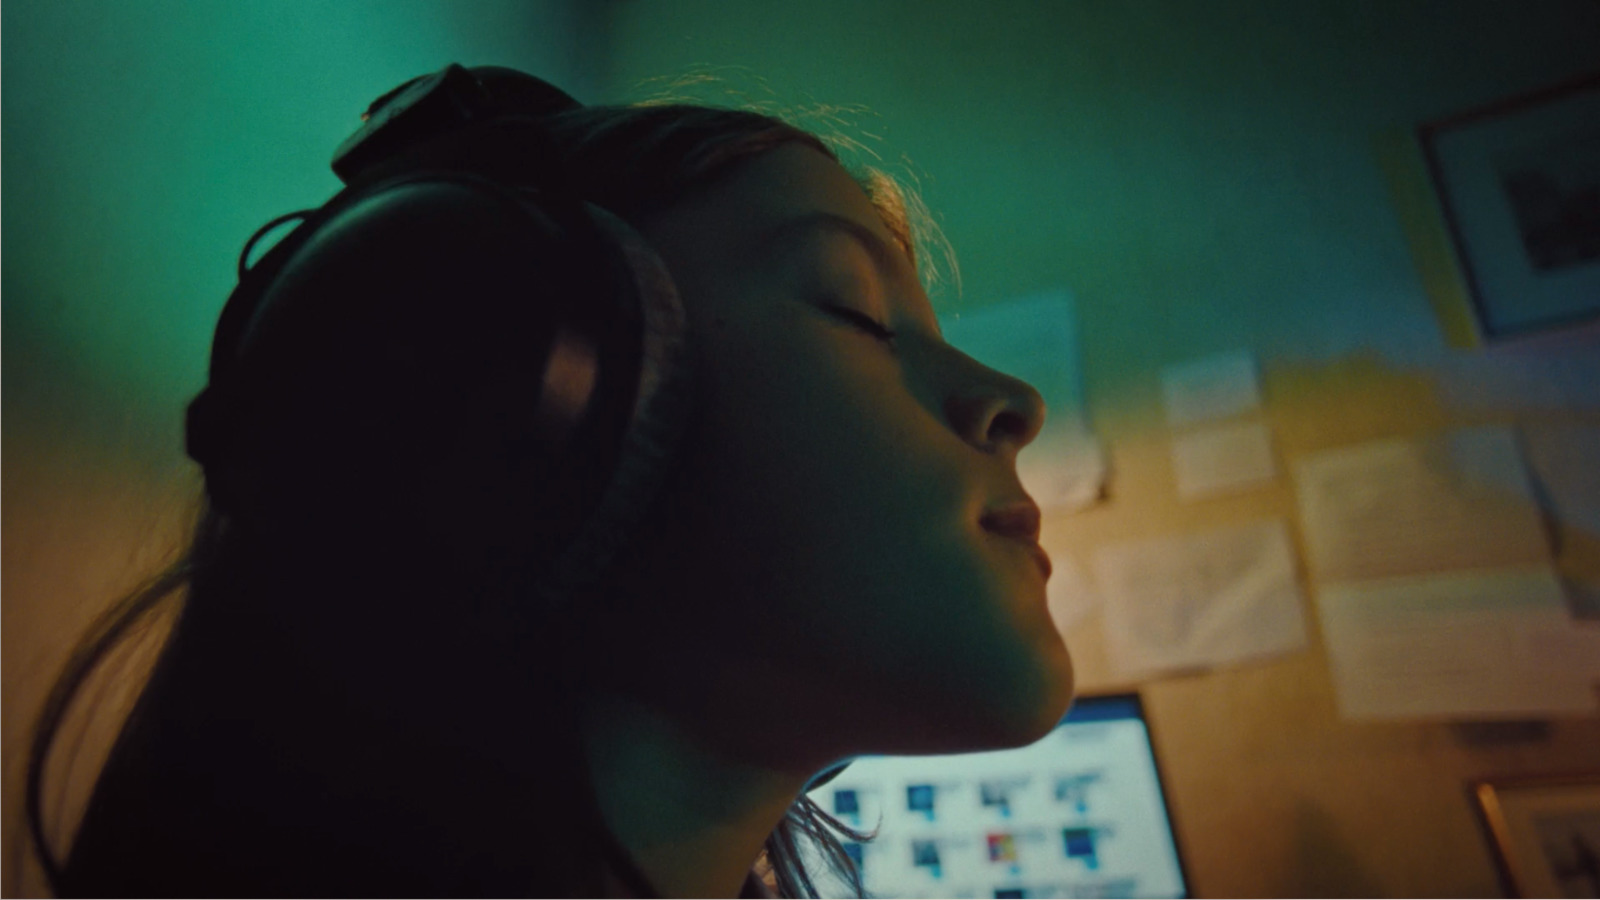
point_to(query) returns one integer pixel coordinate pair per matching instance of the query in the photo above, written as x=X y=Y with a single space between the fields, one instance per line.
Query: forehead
x=766 y=191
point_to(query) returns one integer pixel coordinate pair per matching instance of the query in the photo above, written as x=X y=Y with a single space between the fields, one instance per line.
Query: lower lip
x=1042 y=558
x=1037 y=552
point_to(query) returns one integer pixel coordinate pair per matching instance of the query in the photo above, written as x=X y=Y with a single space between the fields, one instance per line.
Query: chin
x=1020 y=716
x=1048 y=684
x=1048 y=704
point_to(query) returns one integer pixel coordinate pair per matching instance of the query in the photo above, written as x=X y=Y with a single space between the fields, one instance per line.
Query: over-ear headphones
x=453 y=174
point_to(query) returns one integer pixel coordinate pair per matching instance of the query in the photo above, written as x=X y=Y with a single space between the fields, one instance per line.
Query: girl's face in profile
x=826 y=587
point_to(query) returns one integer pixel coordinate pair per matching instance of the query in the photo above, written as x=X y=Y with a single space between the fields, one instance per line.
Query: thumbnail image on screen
x=1078 y=813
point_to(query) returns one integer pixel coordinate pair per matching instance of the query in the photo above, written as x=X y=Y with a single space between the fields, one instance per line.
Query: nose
x=993 y=411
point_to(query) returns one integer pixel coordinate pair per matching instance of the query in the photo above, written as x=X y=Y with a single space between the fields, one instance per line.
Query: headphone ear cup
x=653 y=438
x=391 y=379
x=343 y=379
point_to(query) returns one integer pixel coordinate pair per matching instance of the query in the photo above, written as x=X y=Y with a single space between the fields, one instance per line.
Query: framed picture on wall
x=1518 y=184
x=1545 y=831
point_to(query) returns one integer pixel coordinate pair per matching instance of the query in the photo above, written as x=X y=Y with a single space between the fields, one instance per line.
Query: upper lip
x=1016 y=520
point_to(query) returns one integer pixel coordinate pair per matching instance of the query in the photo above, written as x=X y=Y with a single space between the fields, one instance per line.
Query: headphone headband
x=443 y=103
x=383 y=153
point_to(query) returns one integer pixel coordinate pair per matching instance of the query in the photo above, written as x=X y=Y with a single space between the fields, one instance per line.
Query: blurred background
x=1199 y=176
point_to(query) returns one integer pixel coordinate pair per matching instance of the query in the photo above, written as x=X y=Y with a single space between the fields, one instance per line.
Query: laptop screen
x=1078 y=813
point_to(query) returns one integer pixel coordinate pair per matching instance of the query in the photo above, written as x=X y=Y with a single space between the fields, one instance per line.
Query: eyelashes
x=864 y=322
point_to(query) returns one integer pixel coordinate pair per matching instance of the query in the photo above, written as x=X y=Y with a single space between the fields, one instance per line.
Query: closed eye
x=864 y=322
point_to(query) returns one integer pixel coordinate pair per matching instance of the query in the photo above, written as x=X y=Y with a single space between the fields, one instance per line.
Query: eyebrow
x=883 y=255
x=821 y=220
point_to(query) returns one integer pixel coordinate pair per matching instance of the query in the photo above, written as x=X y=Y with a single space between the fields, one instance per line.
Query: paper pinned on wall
x=1413 y=506
x=1465 y=645
x=1436 y=591
x=1202 y=600
x=1486 y=382
x=1565 y=460
x=1225 y=459
x=1216 y=387
x=1569 y=647
x=1036 y=339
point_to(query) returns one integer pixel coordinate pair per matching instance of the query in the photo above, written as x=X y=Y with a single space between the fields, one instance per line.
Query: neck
x=691 y=817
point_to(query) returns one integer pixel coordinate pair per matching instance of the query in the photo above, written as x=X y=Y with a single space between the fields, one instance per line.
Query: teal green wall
x=145 y=141
x=1199 y=173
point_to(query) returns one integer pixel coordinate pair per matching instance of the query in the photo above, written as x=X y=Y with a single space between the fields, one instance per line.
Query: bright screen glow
x=1078 y=813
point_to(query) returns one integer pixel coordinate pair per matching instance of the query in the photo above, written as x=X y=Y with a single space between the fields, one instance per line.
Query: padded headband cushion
x=655 y=431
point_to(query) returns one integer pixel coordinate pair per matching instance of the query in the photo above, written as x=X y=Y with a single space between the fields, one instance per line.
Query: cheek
x=812 y=433
x=843 y=514
x=806 y=442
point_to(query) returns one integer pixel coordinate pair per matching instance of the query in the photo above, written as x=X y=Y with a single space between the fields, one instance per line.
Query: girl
x=451 y=627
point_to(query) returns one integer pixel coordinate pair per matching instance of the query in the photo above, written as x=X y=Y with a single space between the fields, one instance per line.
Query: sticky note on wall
x=1225 y=459
x=1216 y=387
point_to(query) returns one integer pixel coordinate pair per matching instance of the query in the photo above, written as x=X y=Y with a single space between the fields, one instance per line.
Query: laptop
x=1078 y=813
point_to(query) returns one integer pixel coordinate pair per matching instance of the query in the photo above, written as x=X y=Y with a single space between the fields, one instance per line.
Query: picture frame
x=1517 y=184
x=1545 y=832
